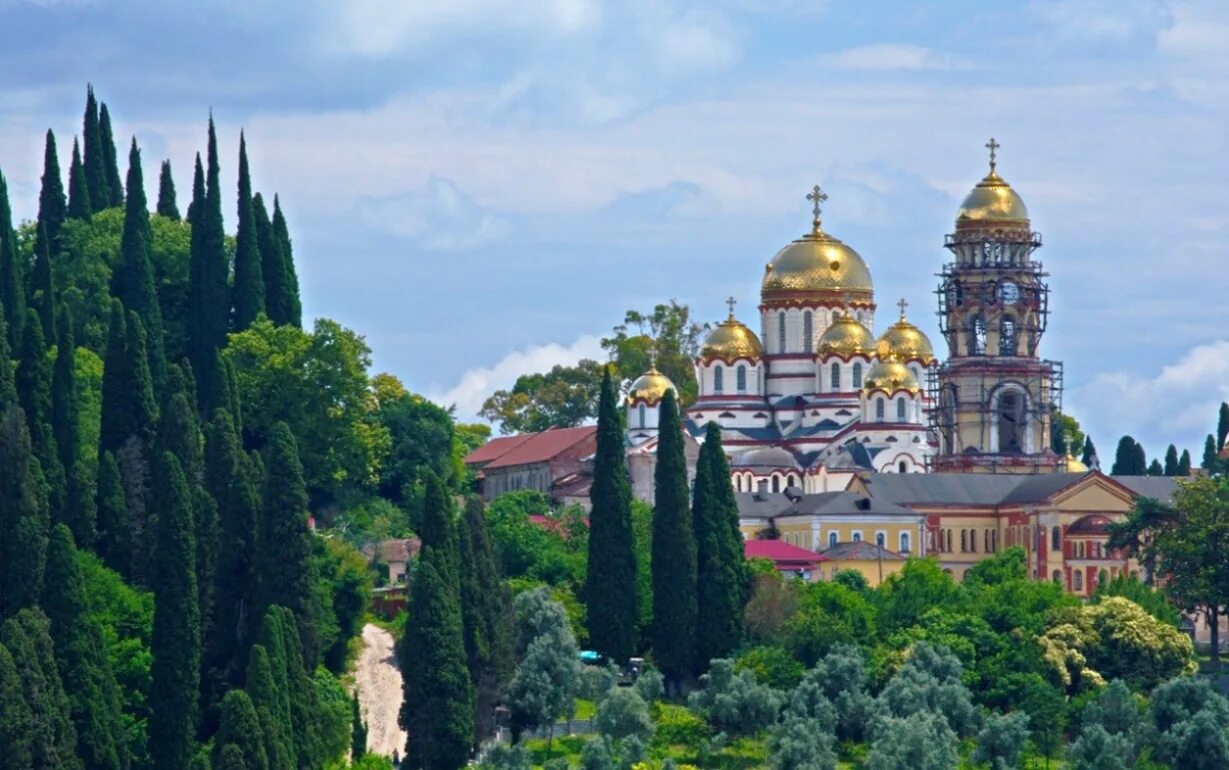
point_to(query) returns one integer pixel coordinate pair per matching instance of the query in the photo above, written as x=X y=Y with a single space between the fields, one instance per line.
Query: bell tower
x=994 y=398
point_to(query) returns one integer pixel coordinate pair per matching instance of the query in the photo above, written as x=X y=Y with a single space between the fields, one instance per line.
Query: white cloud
x=477 y=384
x=1177 y=405
x=1118 y=20
x=891 y=56
x=439 y=218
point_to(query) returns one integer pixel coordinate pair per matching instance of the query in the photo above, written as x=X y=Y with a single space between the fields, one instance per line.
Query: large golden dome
x=731 y=339
x=891 y=375
x=650 y=387
x=818 y=263
x=846 y=337
x=992 y=203
x=906 y=342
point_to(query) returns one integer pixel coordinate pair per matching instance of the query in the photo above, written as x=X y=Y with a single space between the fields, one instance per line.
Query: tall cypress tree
x=95 y=164
x=485 y=610
x=290 y=306
x=610 y=586
x=43 y=295
x=16 y=718
x=1222 y=426
x=266 y=694
x=1171 y=461
x=239 y=729
x=358 y=730
x=132 y=281
x=53 y=738
x=114 y=530
x=24 y=520
x=286 y=574
x=1210 y=453
x=1184 y=463
x=52 y=205
x=674 y=551
x=128 y=406
x=82 y=656
x=272 y=265
x=1090 y=451
x=12 y=276
x=249 y=292
x=176 y=645
x=437 y=709
x=438 y=528
x=79 y=511
x=208 y=299
x=1126 y=461
x=1155 y=469
x=167 y=207
x=34 y=376
x=8 y=385
x=1140 y=462
x=720 y=567
x=78 y=189
x=110 y=163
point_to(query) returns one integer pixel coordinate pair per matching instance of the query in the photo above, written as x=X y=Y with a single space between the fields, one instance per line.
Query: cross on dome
x=993 y=147
x=902 y=305
x=816 y=196
x=731 y=302
x=652 y=358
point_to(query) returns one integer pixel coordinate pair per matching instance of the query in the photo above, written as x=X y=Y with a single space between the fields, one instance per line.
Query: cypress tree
x=720 y=570
x=1125 y=458
x=34 y=376
x=12 y=276
x=1222 y=426
x=16 y=718
x=1155 y=468
x=179 y=432
x=358 y=730
x=8 y=382
x=114 y=530
x=208 y=299
x=167 y=207
x=53 y=739
x=110 y=163
x=1090 y=451
x=52 y=211
x=176 y=646
x=290 y=306
x=231 y=758
x=82 y=657
x=79 y=508
x=285 y=572
x=249 y=291
x=132 y=281
x=282 y=632
x=1184 y=463
x=1171 y=461
x=78 y=190
x=24 y=519
x=239 y=729
x=610 y=585
x=266 y=696
x=1209 y=454
x=116 y=420
x=95 y=165
x=1140 y=463
x=437 y=709
x=43 y=295
x=438 y=529
x=673 y=552
x=278 y=305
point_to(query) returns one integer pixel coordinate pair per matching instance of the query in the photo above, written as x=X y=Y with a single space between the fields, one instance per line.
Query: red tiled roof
x=541 y=447
x=495 y=448
x=782 y=554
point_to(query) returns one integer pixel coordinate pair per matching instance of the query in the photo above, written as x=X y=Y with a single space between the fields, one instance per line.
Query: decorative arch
x=1011 y=428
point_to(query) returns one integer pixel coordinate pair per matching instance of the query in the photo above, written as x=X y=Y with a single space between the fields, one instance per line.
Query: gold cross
x=902 y=305
x=992 y=146
x=816 y=196
x=731 y=302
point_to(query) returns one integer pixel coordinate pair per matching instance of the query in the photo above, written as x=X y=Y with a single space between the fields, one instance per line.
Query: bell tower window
x=1007 y=336
x=977 y=336
x=1012 y=423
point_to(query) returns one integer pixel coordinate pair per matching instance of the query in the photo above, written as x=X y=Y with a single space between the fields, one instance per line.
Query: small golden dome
x=731 y=339
x=891 y=375
x=650 y=387
x=906 y=342
x=846 y=337
x=992 y=202
x=1074 y=465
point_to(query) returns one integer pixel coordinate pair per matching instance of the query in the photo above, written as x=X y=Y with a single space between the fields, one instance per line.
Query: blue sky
x=482 y=188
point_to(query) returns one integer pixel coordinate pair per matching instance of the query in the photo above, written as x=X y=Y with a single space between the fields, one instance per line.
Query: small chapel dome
x=906 y=342
x=731 y=339
x=891 y=375
x=846 y=337
x=817 y=263
x=1074 y=465
x=650 y=387
x=993 y=202
x=765 y=457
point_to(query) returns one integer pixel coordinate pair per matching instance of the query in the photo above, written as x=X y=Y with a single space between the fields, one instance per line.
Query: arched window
x=1057 y=576
x=776 y=483
x=807 y=339
x=857 y=537
x=904 y=542
x=832 y=538
x=718 y=379
x=1056 y=540
x=1077 y=580
x=964 y=540
x=857 y=375
x=973 y=540
x=900 y=409
x=881 y=539
x=640 y=409
x=879 y=410
x=835 y=381
x=989 y=547
x=902 y=467
x=741 y=378
x=1007 y=336
x=781 y=332
x=977 y=336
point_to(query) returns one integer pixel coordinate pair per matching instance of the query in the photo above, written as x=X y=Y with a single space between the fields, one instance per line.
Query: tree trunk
x=1213 y=615
x=550 y=737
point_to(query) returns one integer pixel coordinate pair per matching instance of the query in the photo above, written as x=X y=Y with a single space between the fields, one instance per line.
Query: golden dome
x=1074 y=465
x=846 y=337
x=992 y=202
x=817 y=262
x=906 y=342
x=650 y=387
x=891 y=375
x=731 y=339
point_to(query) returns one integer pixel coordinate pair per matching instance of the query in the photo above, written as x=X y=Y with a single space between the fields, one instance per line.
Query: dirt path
x=379 y=692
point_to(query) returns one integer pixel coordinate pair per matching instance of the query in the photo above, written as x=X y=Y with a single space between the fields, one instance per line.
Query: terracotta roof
x=861 y=550
x=398 y=550
x=782 y=554
x=541 y=447
x=495 y=448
